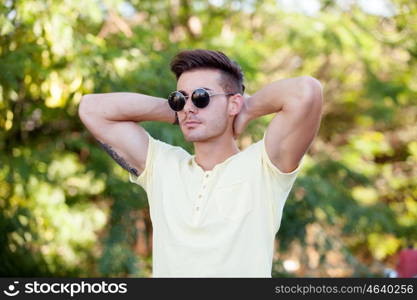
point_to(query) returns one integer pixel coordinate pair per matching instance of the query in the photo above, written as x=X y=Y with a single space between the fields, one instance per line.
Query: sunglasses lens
x=200 y=98
x=176 y=101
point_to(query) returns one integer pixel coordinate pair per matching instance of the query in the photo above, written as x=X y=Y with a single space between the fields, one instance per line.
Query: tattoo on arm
x=120 y=160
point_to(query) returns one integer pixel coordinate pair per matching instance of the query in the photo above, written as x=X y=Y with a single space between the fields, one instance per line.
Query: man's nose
x=189 y=106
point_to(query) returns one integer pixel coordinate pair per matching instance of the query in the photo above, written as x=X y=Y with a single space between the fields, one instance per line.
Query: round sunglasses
x=200 y=98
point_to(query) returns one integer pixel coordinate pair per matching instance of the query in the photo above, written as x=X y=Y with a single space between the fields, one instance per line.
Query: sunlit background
x=66 y=209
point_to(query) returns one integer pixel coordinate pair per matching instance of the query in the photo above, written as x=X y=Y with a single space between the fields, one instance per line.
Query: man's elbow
x=85 y=108
x=312 y=99
x=312 y=90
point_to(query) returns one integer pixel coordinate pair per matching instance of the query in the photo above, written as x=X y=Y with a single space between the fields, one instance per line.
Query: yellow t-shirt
x=217 y=223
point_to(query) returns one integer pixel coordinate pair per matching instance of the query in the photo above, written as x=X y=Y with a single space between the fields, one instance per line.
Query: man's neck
x=210 y=153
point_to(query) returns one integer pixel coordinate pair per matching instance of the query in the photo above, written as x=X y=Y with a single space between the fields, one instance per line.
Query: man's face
x=211 y=121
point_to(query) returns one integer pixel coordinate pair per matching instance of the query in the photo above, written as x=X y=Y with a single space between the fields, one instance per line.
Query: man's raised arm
x=298 y=104
x=111 y=118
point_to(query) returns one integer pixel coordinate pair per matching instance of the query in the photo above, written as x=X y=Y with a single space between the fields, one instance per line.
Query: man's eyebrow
x=186 y=94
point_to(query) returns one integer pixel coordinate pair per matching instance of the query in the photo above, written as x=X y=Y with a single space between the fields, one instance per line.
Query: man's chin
x=194 y=138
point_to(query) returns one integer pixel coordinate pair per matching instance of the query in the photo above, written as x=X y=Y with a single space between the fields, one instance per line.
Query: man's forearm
x=126 y=107
x=280 y=94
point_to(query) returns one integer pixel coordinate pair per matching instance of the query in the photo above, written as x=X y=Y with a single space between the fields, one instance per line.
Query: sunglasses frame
x=180 y=106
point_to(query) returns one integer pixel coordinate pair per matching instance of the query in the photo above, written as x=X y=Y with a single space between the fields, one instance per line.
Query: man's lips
x=191 y=123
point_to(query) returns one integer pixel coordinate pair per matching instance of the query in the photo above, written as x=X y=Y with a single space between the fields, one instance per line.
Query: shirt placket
x=201 y=197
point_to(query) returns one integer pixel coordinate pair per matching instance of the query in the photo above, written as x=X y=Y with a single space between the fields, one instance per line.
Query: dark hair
x=231 y=73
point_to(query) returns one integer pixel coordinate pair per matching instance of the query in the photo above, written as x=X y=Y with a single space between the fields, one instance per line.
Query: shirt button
x=207 y=175
x=199 y=196
x=204 y=186
x=197 y=208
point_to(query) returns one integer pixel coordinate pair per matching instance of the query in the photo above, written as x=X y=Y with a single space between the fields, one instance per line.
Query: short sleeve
x=145 y=177
x=284 y=180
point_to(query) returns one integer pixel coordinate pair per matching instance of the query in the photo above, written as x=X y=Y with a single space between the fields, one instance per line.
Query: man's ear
x=235 y=104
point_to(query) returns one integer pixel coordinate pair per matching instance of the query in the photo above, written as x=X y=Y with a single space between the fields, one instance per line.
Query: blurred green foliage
x=66 y=209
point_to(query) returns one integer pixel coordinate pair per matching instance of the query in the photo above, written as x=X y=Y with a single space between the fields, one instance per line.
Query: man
x=215 y=213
